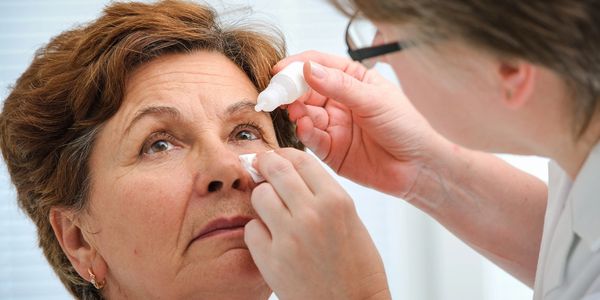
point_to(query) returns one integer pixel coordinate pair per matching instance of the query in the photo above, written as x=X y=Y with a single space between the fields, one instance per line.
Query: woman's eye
x=157 y=143
x=246 y=135
x=159 y=146
x=247 y=132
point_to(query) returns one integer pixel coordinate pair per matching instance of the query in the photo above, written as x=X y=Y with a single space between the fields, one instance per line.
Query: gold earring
x=96 y=284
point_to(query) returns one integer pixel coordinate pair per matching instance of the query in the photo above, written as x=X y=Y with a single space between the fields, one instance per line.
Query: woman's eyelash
x=250 y=126
x=153 y=138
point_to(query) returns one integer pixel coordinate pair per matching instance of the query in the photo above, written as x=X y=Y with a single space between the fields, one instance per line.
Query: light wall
x=422 y=259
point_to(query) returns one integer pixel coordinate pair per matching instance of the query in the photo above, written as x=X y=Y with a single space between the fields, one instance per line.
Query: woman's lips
x=221 y=226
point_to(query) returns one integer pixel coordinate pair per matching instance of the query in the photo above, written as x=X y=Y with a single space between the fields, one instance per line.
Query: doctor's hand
x=360 y=124
x=309 y=242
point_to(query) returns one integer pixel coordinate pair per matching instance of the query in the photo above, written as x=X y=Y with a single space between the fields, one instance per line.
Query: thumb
x=258 y=240
x=336 y=84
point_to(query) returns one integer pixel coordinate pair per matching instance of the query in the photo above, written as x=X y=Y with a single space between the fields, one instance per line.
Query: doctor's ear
x=518 y=81
x=75 y=243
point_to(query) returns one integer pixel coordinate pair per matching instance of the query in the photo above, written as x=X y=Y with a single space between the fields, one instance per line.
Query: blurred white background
x=422 y=259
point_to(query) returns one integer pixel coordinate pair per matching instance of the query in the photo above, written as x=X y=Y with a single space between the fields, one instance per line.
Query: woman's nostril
x=236 y=184
x=214 y=186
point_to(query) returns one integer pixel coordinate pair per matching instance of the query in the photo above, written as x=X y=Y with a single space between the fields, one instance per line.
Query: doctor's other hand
x=309 y=242
x=360 y=124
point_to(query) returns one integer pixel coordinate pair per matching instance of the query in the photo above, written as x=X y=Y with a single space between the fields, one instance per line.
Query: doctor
x=478 y=77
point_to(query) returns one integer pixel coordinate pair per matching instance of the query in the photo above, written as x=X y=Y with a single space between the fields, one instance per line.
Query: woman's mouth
x=223 y=227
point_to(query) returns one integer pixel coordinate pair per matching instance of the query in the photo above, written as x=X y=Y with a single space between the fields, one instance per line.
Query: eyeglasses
x=360 y=36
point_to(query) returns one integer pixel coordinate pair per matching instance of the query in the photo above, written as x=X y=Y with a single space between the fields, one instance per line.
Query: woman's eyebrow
x=243 y=105
x=153 y=111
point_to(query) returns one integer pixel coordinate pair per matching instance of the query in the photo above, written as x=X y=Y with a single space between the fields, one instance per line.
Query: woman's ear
x=518 y=80
x=72 y=239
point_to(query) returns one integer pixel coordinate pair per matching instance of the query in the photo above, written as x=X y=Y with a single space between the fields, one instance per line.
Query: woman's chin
x=240 y=260
x=231 y=275
x=240 y=271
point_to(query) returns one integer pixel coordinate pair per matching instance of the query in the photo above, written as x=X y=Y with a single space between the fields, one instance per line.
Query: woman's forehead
x=201 y=80
x=201 y=70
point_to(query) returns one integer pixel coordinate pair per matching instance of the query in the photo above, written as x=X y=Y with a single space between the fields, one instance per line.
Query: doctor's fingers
x=259 y=242
x=341 y=87
x=318 y=180
x=317 y=140
x=342 y=63
x=285 y=180
x=269 y=207
x=318 y=115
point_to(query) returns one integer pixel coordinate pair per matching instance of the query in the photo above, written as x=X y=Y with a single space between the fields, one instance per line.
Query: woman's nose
x=220 y=171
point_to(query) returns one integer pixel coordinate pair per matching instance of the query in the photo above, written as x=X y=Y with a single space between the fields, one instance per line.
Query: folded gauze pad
x=247 y=160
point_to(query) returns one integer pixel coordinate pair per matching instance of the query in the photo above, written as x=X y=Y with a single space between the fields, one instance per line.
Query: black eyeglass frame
x=364 y=53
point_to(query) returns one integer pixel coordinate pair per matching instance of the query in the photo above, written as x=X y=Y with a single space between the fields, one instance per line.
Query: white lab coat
x=569 y=262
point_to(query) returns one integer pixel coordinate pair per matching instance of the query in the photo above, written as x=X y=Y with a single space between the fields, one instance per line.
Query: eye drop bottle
x=285 y=87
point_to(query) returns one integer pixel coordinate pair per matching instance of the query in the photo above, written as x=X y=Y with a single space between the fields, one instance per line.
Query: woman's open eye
x=157 y=142
x=246 y=135
x=247 y=132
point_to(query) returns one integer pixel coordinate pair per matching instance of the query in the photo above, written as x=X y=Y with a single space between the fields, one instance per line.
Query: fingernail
x=317 y=70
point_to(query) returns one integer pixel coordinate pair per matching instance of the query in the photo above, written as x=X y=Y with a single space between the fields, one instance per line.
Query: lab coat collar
x=556 y=260
x=585 y=197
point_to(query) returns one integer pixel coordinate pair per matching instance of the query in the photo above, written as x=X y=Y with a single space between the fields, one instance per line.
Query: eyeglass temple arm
x=368 y=52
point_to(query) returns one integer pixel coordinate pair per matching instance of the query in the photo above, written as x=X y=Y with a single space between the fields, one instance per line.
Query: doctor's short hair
x=76 y=83
x=562 y=35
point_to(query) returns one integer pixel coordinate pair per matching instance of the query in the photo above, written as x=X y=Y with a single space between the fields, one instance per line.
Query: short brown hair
x=76 y=83
x=562 y=35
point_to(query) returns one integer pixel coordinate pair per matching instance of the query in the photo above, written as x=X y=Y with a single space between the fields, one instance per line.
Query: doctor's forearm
x=492 y=206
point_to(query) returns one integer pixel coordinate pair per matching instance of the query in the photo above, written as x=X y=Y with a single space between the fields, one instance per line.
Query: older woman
x=122 y=139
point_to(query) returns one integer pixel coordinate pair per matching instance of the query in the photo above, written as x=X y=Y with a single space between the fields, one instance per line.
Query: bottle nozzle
x=269 y=99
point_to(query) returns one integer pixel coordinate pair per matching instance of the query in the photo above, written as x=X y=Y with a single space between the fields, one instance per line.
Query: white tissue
x=247 y=160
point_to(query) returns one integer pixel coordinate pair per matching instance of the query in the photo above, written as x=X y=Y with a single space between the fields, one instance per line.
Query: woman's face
x=169 y=197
